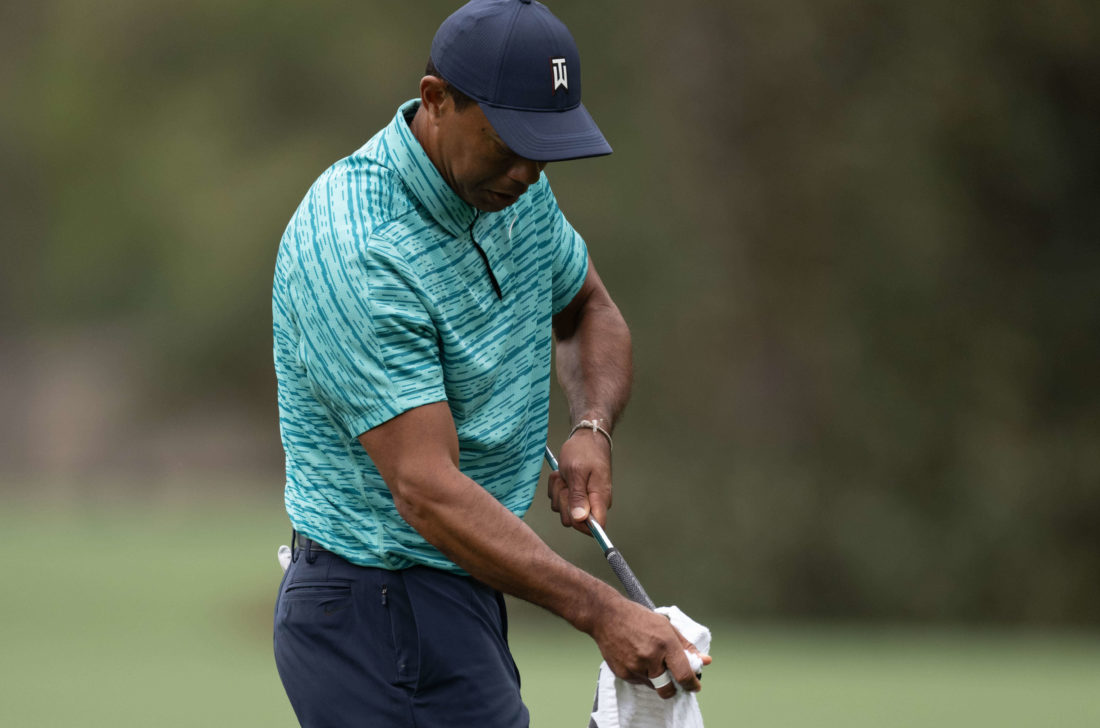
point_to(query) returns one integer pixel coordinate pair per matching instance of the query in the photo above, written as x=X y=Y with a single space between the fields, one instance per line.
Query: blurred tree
x=857 y=242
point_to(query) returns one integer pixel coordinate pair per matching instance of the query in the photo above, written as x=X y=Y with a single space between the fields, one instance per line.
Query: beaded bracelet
x=593 y=425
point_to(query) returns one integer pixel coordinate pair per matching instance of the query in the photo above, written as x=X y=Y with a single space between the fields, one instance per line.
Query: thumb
x=578 y=498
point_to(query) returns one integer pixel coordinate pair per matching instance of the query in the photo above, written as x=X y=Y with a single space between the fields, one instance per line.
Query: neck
x=421 y=129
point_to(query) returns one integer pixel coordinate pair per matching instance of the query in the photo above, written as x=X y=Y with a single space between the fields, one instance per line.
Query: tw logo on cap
x=561 y=76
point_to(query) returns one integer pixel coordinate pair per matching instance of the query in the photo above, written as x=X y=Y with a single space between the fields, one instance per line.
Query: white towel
x=620 y=704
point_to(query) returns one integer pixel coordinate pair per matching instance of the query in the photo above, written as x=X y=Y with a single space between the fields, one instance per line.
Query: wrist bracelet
x=593 y=425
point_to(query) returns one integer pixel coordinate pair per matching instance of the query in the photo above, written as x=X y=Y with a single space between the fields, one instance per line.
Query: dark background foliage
x=857 y=243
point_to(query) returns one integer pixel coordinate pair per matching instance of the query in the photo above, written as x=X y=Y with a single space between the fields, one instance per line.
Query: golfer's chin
x=492 y=201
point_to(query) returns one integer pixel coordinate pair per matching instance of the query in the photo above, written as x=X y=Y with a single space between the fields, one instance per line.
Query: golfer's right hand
x=582 y=487
x=639 y=644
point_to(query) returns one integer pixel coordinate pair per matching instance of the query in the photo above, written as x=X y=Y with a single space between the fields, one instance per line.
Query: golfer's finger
x=554 y=489
x=682 y=673
x=692 y=648
x=663 y=683
x=559 y=500
x=598 y=504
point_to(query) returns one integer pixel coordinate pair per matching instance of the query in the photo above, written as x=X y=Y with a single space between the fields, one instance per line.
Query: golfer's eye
x=502 y=151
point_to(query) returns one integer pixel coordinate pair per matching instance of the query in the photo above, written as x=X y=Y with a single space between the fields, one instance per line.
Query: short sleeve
x=569 y=254
x=368 y=344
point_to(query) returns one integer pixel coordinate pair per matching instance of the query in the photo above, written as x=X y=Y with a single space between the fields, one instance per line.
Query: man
x=416 y=289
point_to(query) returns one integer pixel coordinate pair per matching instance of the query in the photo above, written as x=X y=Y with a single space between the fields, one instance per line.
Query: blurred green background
x=858 y=244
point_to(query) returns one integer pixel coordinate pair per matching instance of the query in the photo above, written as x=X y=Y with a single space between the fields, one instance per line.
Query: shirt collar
x=422 y=178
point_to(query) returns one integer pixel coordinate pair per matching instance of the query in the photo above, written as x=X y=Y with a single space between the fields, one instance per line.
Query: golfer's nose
x=526 y=171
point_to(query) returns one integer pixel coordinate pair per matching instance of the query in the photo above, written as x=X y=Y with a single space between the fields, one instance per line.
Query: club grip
x=630 y=582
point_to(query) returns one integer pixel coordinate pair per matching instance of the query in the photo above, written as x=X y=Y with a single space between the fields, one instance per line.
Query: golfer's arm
x=417 y=455
x=594 y=360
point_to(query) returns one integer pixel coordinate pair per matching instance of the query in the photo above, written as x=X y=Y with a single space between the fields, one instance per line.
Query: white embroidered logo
x=561 y=79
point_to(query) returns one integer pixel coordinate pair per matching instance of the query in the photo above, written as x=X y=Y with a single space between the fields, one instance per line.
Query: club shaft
x=600 y=535
x=614 y=558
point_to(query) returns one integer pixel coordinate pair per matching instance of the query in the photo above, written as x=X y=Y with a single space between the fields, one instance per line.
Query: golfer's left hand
x=581 y=489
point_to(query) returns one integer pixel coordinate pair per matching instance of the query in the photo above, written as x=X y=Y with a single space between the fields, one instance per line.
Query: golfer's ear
x=433 y=94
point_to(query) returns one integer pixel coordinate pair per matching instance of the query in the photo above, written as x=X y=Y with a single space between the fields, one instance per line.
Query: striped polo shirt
x=382 y=302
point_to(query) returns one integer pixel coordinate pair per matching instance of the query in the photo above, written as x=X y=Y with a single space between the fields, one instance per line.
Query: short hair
x=461 y=99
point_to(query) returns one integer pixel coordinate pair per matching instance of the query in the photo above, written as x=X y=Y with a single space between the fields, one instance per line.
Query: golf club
x=618 y=564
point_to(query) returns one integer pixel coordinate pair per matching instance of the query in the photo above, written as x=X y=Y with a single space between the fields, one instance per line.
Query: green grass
x=788 y=675
x=128 y=616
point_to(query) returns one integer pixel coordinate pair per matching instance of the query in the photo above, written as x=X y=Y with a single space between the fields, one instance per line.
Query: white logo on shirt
x=561 y=79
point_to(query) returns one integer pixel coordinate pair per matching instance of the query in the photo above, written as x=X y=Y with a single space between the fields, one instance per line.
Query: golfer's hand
x=639 y=645
x=582 y=485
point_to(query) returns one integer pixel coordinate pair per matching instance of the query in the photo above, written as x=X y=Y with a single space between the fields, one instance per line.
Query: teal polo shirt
x=383 y=302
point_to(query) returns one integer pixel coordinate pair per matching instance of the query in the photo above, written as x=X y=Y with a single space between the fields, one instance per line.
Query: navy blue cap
x=521 y=65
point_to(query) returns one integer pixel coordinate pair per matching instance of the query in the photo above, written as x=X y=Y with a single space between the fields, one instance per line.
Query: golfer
x=419 y=290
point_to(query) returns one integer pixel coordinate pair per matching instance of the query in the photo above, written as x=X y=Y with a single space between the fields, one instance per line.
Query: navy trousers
x=416 y=648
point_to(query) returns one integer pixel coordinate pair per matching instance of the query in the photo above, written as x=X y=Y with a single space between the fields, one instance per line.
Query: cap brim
x=548 y=136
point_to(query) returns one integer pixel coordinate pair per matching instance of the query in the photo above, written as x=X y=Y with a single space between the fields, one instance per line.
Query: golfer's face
x=479 y=166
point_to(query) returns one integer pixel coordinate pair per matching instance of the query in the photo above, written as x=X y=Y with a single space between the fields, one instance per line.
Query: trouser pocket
x=404 y=635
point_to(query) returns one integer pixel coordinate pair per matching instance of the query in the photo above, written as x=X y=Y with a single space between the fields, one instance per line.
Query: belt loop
x=311 y=555
x=293 y=544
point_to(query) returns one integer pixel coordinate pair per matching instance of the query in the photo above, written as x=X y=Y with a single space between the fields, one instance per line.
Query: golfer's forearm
x=595 y=363
x=472 y=528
